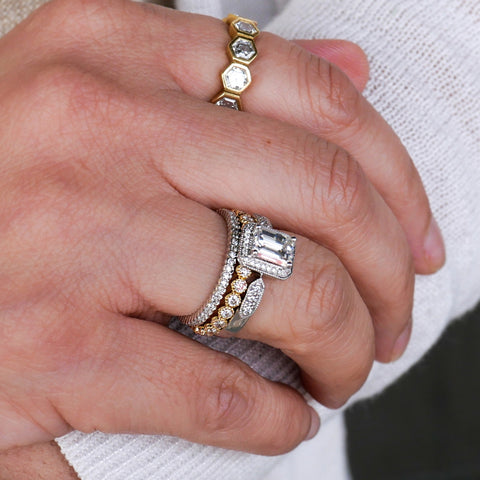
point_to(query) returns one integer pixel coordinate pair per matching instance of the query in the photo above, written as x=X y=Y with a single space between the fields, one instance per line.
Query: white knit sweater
x=425 y=71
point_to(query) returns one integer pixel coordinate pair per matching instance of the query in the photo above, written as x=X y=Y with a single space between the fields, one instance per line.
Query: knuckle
x=63 y=100
x=339 y=100
x=337 y=186
x=346 y=190
x=229 y=402
x=329 y=94
x=53 y=94
x=75 y=20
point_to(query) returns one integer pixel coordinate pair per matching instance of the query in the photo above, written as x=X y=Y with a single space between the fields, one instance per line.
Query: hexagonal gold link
x=241 y=50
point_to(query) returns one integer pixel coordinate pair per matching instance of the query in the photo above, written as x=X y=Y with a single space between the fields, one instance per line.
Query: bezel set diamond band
x=254 y=249
x=241 y=51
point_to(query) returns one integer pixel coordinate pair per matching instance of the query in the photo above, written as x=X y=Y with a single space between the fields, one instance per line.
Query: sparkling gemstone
x=210 y=331
x=219 y=323
x=245 y=27
x=239 y=285
x=252 y=298
x=236 y=78
x=225 y=313
x=233 y=300
x=243 y=272
x=228 y=102
x=274 y=247
x=243 y=49
x=245 y=218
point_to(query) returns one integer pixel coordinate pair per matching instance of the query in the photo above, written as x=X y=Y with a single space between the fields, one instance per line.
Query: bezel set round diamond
x=242 y=51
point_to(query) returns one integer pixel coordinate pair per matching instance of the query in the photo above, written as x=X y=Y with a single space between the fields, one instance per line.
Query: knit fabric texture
x=425 y=65
x=13 y=12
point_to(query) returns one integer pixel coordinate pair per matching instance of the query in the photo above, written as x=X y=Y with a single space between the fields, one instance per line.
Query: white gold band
x=211 y=304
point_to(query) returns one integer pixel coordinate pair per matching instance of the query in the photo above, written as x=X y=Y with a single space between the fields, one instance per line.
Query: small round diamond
x=233 y=300
x=245 y=218
x=239 y=286
x=226 y=313
x=200 y=331
x=219 y=323
x=210 y=331
x=243 y=272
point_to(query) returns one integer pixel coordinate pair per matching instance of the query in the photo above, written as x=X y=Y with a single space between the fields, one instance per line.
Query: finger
x=139 y=377
x=319 y=320
x=347 y=56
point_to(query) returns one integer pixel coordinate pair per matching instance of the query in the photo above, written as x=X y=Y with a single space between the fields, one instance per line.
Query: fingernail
x=434 y=248
x=314 y=424
x=402 y=342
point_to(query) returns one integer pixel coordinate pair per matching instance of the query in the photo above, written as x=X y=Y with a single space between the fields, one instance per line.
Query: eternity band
x=233 y=237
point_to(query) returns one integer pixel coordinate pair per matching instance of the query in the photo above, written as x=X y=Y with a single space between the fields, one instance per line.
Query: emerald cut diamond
x=266 y=250
x=228 y=102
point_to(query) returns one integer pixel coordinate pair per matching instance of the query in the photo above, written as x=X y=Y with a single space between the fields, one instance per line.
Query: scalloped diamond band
x=254 y=249
x=241 y=51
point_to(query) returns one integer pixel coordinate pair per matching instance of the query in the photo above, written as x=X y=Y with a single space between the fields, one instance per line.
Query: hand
x=112 y=160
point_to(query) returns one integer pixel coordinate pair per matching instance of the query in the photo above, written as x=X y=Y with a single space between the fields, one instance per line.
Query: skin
x=104 y=152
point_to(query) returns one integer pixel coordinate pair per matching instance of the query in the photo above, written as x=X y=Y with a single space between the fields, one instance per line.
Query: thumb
x=347 y=56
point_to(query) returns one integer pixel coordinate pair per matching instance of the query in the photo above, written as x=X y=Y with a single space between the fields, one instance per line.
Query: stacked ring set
x=254 y=249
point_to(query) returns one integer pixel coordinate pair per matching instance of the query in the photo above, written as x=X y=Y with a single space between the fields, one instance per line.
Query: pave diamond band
x=254 y=249
x=209 y=307
x=241 y=51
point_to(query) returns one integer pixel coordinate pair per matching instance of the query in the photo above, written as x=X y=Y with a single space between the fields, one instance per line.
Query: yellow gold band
x=236 y=78
x=229 y=305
